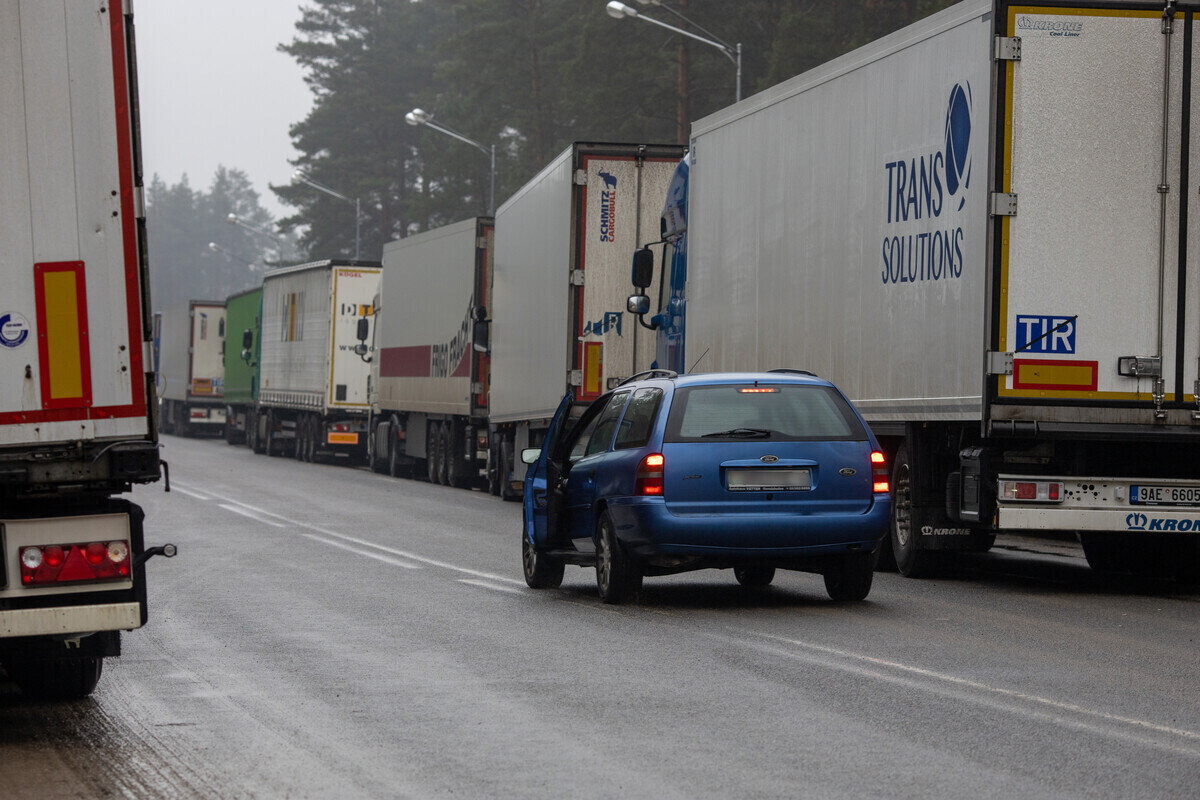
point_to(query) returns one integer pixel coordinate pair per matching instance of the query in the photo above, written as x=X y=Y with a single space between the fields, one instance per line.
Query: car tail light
x=75 y=563
x=757 y=390
x=650 y=476
x=1032 y=491
x=879 y=473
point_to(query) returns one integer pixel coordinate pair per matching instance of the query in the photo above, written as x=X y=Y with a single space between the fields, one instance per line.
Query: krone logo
x=1136 y=522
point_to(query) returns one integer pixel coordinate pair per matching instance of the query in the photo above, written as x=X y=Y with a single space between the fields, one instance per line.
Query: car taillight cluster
x=1032 y=491
x=74 y=563
x=879 y=473
x=649 y=480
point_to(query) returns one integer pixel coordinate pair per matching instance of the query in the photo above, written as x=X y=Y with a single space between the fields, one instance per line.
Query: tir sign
x=1037 y=334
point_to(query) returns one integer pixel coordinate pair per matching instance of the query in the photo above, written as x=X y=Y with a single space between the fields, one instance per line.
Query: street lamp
x=418 y=117
x=234 y=219
x=230 y=257
x=301 y=176
x=618 y=10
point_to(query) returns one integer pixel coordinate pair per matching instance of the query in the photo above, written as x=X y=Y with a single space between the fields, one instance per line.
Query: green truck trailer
x=243 y=315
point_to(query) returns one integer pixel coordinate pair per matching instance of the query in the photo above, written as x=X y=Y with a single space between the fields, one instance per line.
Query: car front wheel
x=541 y=571
x=618 y=577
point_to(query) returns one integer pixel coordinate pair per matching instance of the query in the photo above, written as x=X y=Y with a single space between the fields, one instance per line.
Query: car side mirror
x=363 y=330
x=638 y=304
x=481 y=331
x=530 y=455
x=643 y=268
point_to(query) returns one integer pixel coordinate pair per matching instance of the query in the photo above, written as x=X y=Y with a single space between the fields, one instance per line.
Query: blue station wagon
x=667 y=474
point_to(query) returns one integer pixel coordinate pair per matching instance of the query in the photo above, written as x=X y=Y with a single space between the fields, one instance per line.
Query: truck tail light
x=649 y=481
x=879 y=473
x=75 y=563
x=1032 y=491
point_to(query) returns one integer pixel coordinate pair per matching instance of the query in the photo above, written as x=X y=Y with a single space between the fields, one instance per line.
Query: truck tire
x=506 y=465
x=274 y=447
x=910 y=561
x=56 y=678
x=457 y=462
x=433 y=441
x=1145 y=556
x=445 y=447
x=493 y=464
x=851 y=580
x=299 y=451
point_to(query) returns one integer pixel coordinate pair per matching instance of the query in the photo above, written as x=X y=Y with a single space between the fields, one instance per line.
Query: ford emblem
x=847 y=471
x=769 y=459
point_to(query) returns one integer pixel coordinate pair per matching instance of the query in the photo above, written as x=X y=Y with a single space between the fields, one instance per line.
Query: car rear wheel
x=618 y=577
x=851 y=580
x=754 y=576
x=541 y=571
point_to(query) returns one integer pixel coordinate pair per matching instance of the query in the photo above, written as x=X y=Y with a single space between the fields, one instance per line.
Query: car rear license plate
x=1164 y=495
x=767 y=480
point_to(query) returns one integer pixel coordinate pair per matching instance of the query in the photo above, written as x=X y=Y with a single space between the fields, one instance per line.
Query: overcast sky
x=215 y=90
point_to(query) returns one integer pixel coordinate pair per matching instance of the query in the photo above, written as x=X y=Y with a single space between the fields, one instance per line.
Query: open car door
x=542 y=474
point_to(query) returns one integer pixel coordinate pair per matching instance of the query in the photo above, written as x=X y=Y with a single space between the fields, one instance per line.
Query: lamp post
x=303 y=177
x=417 y=117
x=618 y=10
x=232 y=258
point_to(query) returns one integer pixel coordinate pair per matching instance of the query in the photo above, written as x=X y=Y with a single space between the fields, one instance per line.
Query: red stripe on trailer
x=463 y=370
x=406 y=362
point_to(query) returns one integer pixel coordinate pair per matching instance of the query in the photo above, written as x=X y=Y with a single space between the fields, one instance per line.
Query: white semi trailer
x=430 y=372
x=76 y=382
x=191 y=377
x=981 y=228
x=313 y=364
x=563 y=246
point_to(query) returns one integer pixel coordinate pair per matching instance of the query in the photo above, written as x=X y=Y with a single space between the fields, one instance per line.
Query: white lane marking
x=383 y=548
x=250 y=514
x=196 y=495
x=495 y=587
x=995 y=697
x=385 y=559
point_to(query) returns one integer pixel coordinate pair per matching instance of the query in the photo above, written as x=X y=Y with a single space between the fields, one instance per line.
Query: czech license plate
x=1164 y=495
x=767 y=480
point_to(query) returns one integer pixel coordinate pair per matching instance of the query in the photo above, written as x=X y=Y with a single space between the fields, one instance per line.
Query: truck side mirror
x=247 y=339
x=643 y=268
x=363 y=330
x=481 y=331
x=638 y=304
x=478 y=313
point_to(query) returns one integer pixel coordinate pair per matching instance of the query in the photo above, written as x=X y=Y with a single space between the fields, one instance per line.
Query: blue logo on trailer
x=958 y=141
x=14 y=330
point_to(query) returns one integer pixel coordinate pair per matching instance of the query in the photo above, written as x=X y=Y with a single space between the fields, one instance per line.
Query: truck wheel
x=1145 y=556
x=754 y=576
x=432 y=441
x=300 y=446
x=618 y=577
x=56 y=678
x=541 y=571
x=911 y=562
x=506 y=465
x=445 y=448
x=457 y=462
x=493 y=465
x=273 y=447
x=851 y=580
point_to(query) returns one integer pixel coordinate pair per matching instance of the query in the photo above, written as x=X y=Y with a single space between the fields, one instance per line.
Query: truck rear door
x=1090 y=293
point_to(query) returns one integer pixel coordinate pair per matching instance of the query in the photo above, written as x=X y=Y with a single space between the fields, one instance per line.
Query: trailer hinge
x=1006 y=48
x=481 y=243
x=575 y=377
x=477 y=388
x=577 y=277
x=139 y=202
x=999 y=363
x=148 y=356
x=580 y=177
x=1004 y=204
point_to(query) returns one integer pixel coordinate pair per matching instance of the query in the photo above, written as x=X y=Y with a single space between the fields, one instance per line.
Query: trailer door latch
x=1139 y=366
x=577 y=277
x=575 y=377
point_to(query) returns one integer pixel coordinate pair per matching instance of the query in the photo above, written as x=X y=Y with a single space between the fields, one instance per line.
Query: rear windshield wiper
x=743 y=433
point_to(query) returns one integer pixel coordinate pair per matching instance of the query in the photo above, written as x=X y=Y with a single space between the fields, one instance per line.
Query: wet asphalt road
x=328 y=632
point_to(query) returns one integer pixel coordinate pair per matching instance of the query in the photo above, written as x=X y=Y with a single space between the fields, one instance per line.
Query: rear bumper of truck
x=1101 y=504
x=68 y=620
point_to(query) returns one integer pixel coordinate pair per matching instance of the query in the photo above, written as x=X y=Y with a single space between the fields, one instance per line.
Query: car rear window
x=780 y=412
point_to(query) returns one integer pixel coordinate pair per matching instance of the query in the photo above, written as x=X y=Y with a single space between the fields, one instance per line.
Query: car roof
x=722 y=378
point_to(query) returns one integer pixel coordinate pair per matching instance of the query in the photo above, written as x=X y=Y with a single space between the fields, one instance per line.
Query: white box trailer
x=191 y=366
x=430 y=373
x=563 y=247
x=76 y=383
x=979 y=228
x=313 y=367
